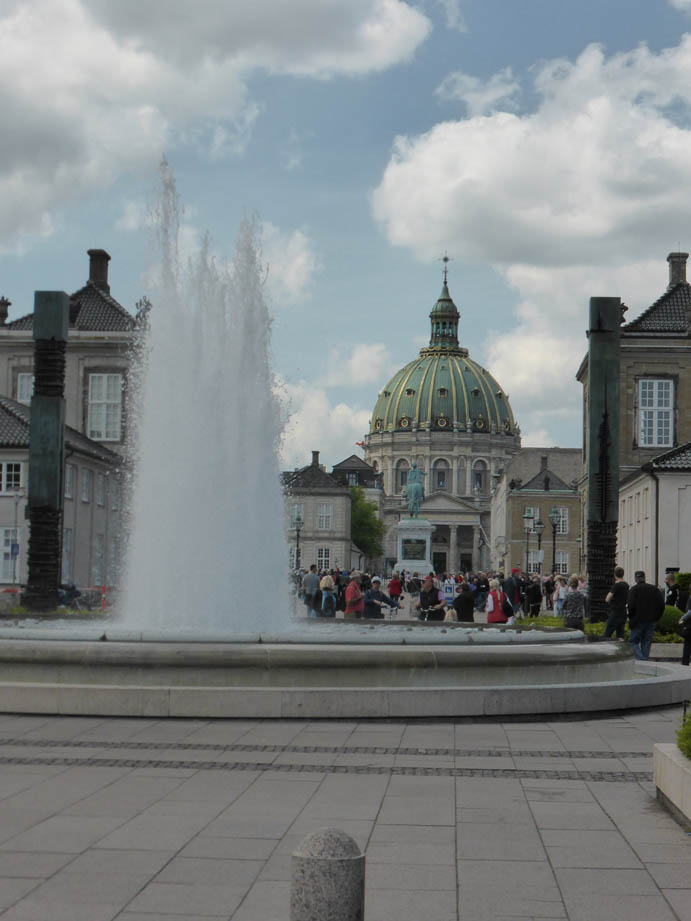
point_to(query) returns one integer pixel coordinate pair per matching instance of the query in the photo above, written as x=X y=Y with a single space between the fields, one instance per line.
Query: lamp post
x=554 y=519
x=297 y=524
x=528 y=519
x=539 y=527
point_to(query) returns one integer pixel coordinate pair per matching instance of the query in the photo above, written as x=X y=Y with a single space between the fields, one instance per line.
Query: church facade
x=447 y=413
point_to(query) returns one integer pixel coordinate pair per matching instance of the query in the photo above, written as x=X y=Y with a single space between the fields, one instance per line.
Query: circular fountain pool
x=325 y=670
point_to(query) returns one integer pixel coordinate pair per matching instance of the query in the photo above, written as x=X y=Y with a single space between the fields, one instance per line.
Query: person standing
x=616 y=599
x=310 y=587
x=375 y=599
x=431 y=603
x=395 y=588
x=671 y=590
x=533 y=594
x=463 y=604
x=353 y=597
x=328 y=590
x=685 y=622
x=574 y=606
x=496 y=602
x=646 y=606
x=482 y=591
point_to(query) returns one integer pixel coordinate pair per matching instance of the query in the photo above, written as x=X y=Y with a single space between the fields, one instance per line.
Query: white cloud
x=584 y=196
x=480 y=96
x=292 y=263
x=680 y=4
x=314 y=424
x=368 y=363
x=454 y=16
x=132 y=216
x=93 y=88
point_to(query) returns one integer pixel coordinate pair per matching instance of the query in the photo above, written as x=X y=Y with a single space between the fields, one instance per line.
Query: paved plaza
x=191 y=820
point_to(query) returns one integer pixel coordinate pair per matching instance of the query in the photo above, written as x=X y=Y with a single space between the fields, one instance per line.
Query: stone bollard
x=328 y=878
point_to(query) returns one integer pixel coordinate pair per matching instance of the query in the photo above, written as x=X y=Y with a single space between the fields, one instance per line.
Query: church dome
x=443 y=389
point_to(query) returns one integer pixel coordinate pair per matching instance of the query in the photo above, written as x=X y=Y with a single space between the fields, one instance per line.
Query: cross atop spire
x=446 y=259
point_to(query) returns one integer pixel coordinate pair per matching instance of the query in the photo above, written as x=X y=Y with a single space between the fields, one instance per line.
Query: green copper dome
x=443 y=389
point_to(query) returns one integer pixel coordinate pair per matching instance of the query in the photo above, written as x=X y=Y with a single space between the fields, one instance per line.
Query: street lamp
x=539 y=527
x=297 y=524
x=528 y=519
x=554 y=519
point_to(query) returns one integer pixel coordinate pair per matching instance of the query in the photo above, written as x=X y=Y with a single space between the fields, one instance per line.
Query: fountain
x=205 y=629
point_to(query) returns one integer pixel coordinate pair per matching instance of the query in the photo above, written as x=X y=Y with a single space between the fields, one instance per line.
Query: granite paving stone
x=213 y=841
x=268 y=900
x=190 y=898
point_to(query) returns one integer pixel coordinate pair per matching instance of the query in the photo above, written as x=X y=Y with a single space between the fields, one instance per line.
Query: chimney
x=98 y=269
x=4 y=307
x=677 y=268
x=543 y=462
x=315 y=458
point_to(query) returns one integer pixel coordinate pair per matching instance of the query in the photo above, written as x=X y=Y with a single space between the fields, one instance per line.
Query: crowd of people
x=496 y=599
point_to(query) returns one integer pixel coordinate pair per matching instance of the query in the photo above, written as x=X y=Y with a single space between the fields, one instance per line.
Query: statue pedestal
x=414 y=546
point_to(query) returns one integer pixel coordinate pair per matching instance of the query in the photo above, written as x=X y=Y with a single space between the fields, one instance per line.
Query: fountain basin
x=326 y=677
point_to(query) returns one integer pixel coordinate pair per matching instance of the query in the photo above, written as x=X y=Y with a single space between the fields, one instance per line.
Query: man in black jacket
x=646 y=606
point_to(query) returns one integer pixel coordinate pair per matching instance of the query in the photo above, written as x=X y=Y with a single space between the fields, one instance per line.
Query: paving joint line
x=414 y=771
x=499 y=752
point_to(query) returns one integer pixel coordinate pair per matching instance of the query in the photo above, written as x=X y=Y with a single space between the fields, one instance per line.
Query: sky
x=544 y=144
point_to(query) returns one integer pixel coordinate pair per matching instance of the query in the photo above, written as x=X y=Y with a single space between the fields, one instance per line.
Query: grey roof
x=310 y=477
x=92 y=309
x=669 y=314
x=538 y=482
x=14 y=433
x=676 y=459
x=353 y=463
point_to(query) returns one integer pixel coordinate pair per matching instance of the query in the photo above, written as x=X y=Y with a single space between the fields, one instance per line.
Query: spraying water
x=207 y=549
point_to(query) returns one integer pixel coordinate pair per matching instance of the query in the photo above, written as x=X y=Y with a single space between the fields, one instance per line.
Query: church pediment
x=444 y=502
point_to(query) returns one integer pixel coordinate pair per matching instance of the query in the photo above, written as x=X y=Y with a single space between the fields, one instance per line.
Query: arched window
x=402 y=468
x=441 y=475
x=480 y=478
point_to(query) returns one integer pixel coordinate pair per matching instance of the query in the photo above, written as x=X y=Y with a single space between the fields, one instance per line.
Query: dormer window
x=387 y=393
x=443 y=392
x=410 y=392
x=475 y=391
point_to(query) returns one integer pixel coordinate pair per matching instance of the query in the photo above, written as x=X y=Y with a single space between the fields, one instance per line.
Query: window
x=402 y=478
x=323 y=557
x=69 y=481
x=297 y=511
x=441 y=478
x=563 y=523
x=479 y=486
x=105 y=407
x=86 y=486
x=562 y=562
x=100 y=490
x=533 y=510
x=324 y=513
x=9 y=544
x=25 y=387
x=533 y=561
x=115 y=495
x=655 y=408
x=353 y=479
x=97 y=558
x=67 y=555
x=10 y=477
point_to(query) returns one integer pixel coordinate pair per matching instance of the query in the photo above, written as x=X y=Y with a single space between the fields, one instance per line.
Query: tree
x=367 y=531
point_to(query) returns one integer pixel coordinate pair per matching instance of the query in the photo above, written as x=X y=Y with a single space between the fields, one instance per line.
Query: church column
x=453 y=548
x=476 y=549
x=454 y=475
x=469 y=478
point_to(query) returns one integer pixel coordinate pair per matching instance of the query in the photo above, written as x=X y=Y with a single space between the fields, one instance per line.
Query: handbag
x=506 y=606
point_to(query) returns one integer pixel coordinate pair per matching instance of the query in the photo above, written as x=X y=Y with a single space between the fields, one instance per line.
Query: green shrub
x=683 y=580
x=669 y=621
x=684 y=737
